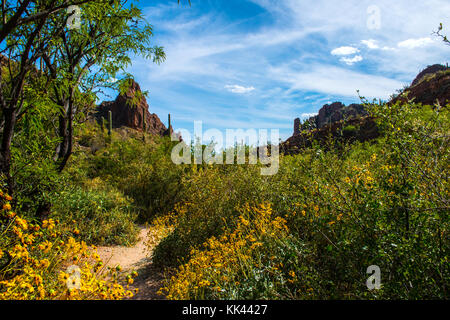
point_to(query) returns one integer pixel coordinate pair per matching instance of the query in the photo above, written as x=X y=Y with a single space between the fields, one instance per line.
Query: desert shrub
x=349 y=130
x=102 y=216
x=242 y=263
x=143 y=171
x=45 y=261
x=212 y=194
x=347 y=207
x=34 y=171
x=91 y=137
x=154 y=181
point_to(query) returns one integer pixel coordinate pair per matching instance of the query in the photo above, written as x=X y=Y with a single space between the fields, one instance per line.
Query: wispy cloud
x=341 y=82
x=343 y=51
x=415 y=43
x=351 y=61
x=239 y=89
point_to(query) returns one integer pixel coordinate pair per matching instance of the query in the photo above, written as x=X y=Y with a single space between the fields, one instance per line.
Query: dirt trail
x=136 y=258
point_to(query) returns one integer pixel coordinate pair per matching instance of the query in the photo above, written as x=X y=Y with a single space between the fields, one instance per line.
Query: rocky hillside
x=361 y=129
x=430 y=86
x=351 y=122
x=130 y=109
x=429 y=70
x=328 y=114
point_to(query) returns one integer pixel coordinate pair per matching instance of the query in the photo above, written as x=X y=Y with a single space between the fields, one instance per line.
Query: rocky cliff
x=328 y=114
x=130 y=109
x=361 y=129
x=432 y=85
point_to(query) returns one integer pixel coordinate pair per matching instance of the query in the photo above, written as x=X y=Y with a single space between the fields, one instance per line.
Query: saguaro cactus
x=170 y=126
x=109 y=122
x=144 y=125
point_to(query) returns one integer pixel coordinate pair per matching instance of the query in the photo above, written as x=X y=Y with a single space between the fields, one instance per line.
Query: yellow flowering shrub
x=215 y=270
x=38 y=261
x=163 y=225
x=348 y=206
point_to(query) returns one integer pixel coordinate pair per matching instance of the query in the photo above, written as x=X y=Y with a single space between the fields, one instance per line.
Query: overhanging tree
x=22 y=43
x=18 y=13
x=76 y=61
x=21 y=48
x=90 y=57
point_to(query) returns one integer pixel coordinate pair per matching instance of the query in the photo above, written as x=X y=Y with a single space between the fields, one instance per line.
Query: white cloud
x=415 y=43
x=239 y=89
x=371 y=44
x=335 y=81
x=344 y=51
x=307 y=115
x=374 y=44
x=351 y=61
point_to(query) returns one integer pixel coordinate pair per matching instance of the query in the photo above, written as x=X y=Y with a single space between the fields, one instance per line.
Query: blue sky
x=261 y=63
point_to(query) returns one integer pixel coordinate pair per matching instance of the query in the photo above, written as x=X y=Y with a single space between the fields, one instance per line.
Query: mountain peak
x=429 y=70
x=130 y=109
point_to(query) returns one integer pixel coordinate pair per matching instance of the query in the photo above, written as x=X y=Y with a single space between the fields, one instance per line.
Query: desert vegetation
x=71 y=183
x=311 y=231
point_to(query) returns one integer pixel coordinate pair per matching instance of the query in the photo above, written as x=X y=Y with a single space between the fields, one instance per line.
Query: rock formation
x=328 y=114
x=336 y=112
x=130 y=109
x=297 y=126
x=355 y=129
x=430 y=86
x=428 y=70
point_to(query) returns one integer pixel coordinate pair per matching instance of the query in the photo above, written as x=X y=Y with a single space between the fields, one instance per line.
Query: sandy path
x=135 y=258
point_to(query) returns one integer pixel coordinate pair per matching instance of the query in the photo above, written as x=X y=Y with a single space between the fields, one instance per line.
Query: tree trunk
x=68 y=144
x=64 y=149
x=9 y=116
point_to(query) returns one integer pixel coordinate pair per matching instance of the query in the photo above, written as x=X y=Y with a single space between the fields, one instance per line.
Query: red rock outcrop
x=129 y=110
x=355 y=129
x=428 y=87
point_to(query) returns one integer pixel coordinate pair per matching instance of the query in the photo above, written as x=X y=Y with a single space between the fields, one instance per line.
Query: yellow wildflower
x=21 y=223
x=48 y=224
x=45 y=246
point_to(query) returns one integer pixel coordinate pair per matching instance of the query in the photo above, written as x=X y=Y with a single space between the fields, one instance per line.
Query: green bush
x=103 y=217
x=34 y=171
x=381 y=203
x=212 y=193
x=349 y=130
x=142 y=171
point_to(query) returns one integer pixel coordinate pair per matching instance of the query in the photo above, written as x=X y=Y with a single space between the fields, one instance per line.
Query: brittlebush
x=348 y=205
x=38 y=261
x=214 y=270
